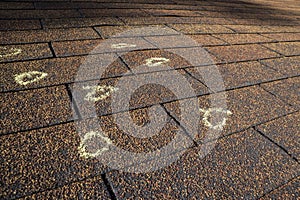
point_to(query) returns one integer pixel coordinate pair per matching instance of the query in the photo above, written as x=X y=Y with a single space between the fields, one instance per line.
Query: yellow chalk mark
x=90 y=135
x=208 y=113
x=106 y=91
x=122 y=45
x=5 y=52
x=156 y=61
x=29 y=77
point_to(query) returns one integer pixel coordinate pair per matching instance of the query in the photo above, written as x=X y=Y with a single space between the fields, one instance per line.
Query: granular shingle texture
x=24 y=52
x=245 y=104
x=288 y=90
x=36 y=108
x=285 y=132
x=290 y=190
x=43 y=159
x=235 y=168
x=174 y=99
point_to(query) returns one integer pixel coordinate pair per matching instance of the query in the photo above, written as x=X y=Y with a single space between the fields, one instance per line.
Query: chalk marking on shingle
x=208 y=113
x=10 y=52
x=122 y=45
x=156 y=61
x=106 y=91
x=90 y=135
x=32 y=76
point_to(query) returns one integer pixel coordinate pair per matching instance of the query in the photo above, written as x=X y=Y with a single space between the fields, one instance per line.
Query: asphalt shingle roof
x=254 y=45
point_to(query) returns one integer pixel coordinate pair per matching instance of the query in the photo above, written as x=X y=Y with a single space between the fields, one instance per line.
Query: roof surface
x=252 y=120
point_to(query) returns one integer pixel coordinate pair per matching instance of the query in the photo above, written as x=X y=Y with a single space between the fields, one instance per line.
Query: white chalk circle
x=122 y=45
x=90 y=136
x=29 y=77
x=106 y=91
x=209 y=113
x=8 y=52
x=156 y=61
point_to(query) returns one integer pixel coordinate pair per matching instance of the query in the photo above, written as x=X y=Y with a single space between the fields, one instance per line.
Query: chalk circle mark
x=105 y=91
x=122 y=45
x=8 y=52
x=156 y=61
x=92 y=135
x=208 y=113
x=29 y=77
